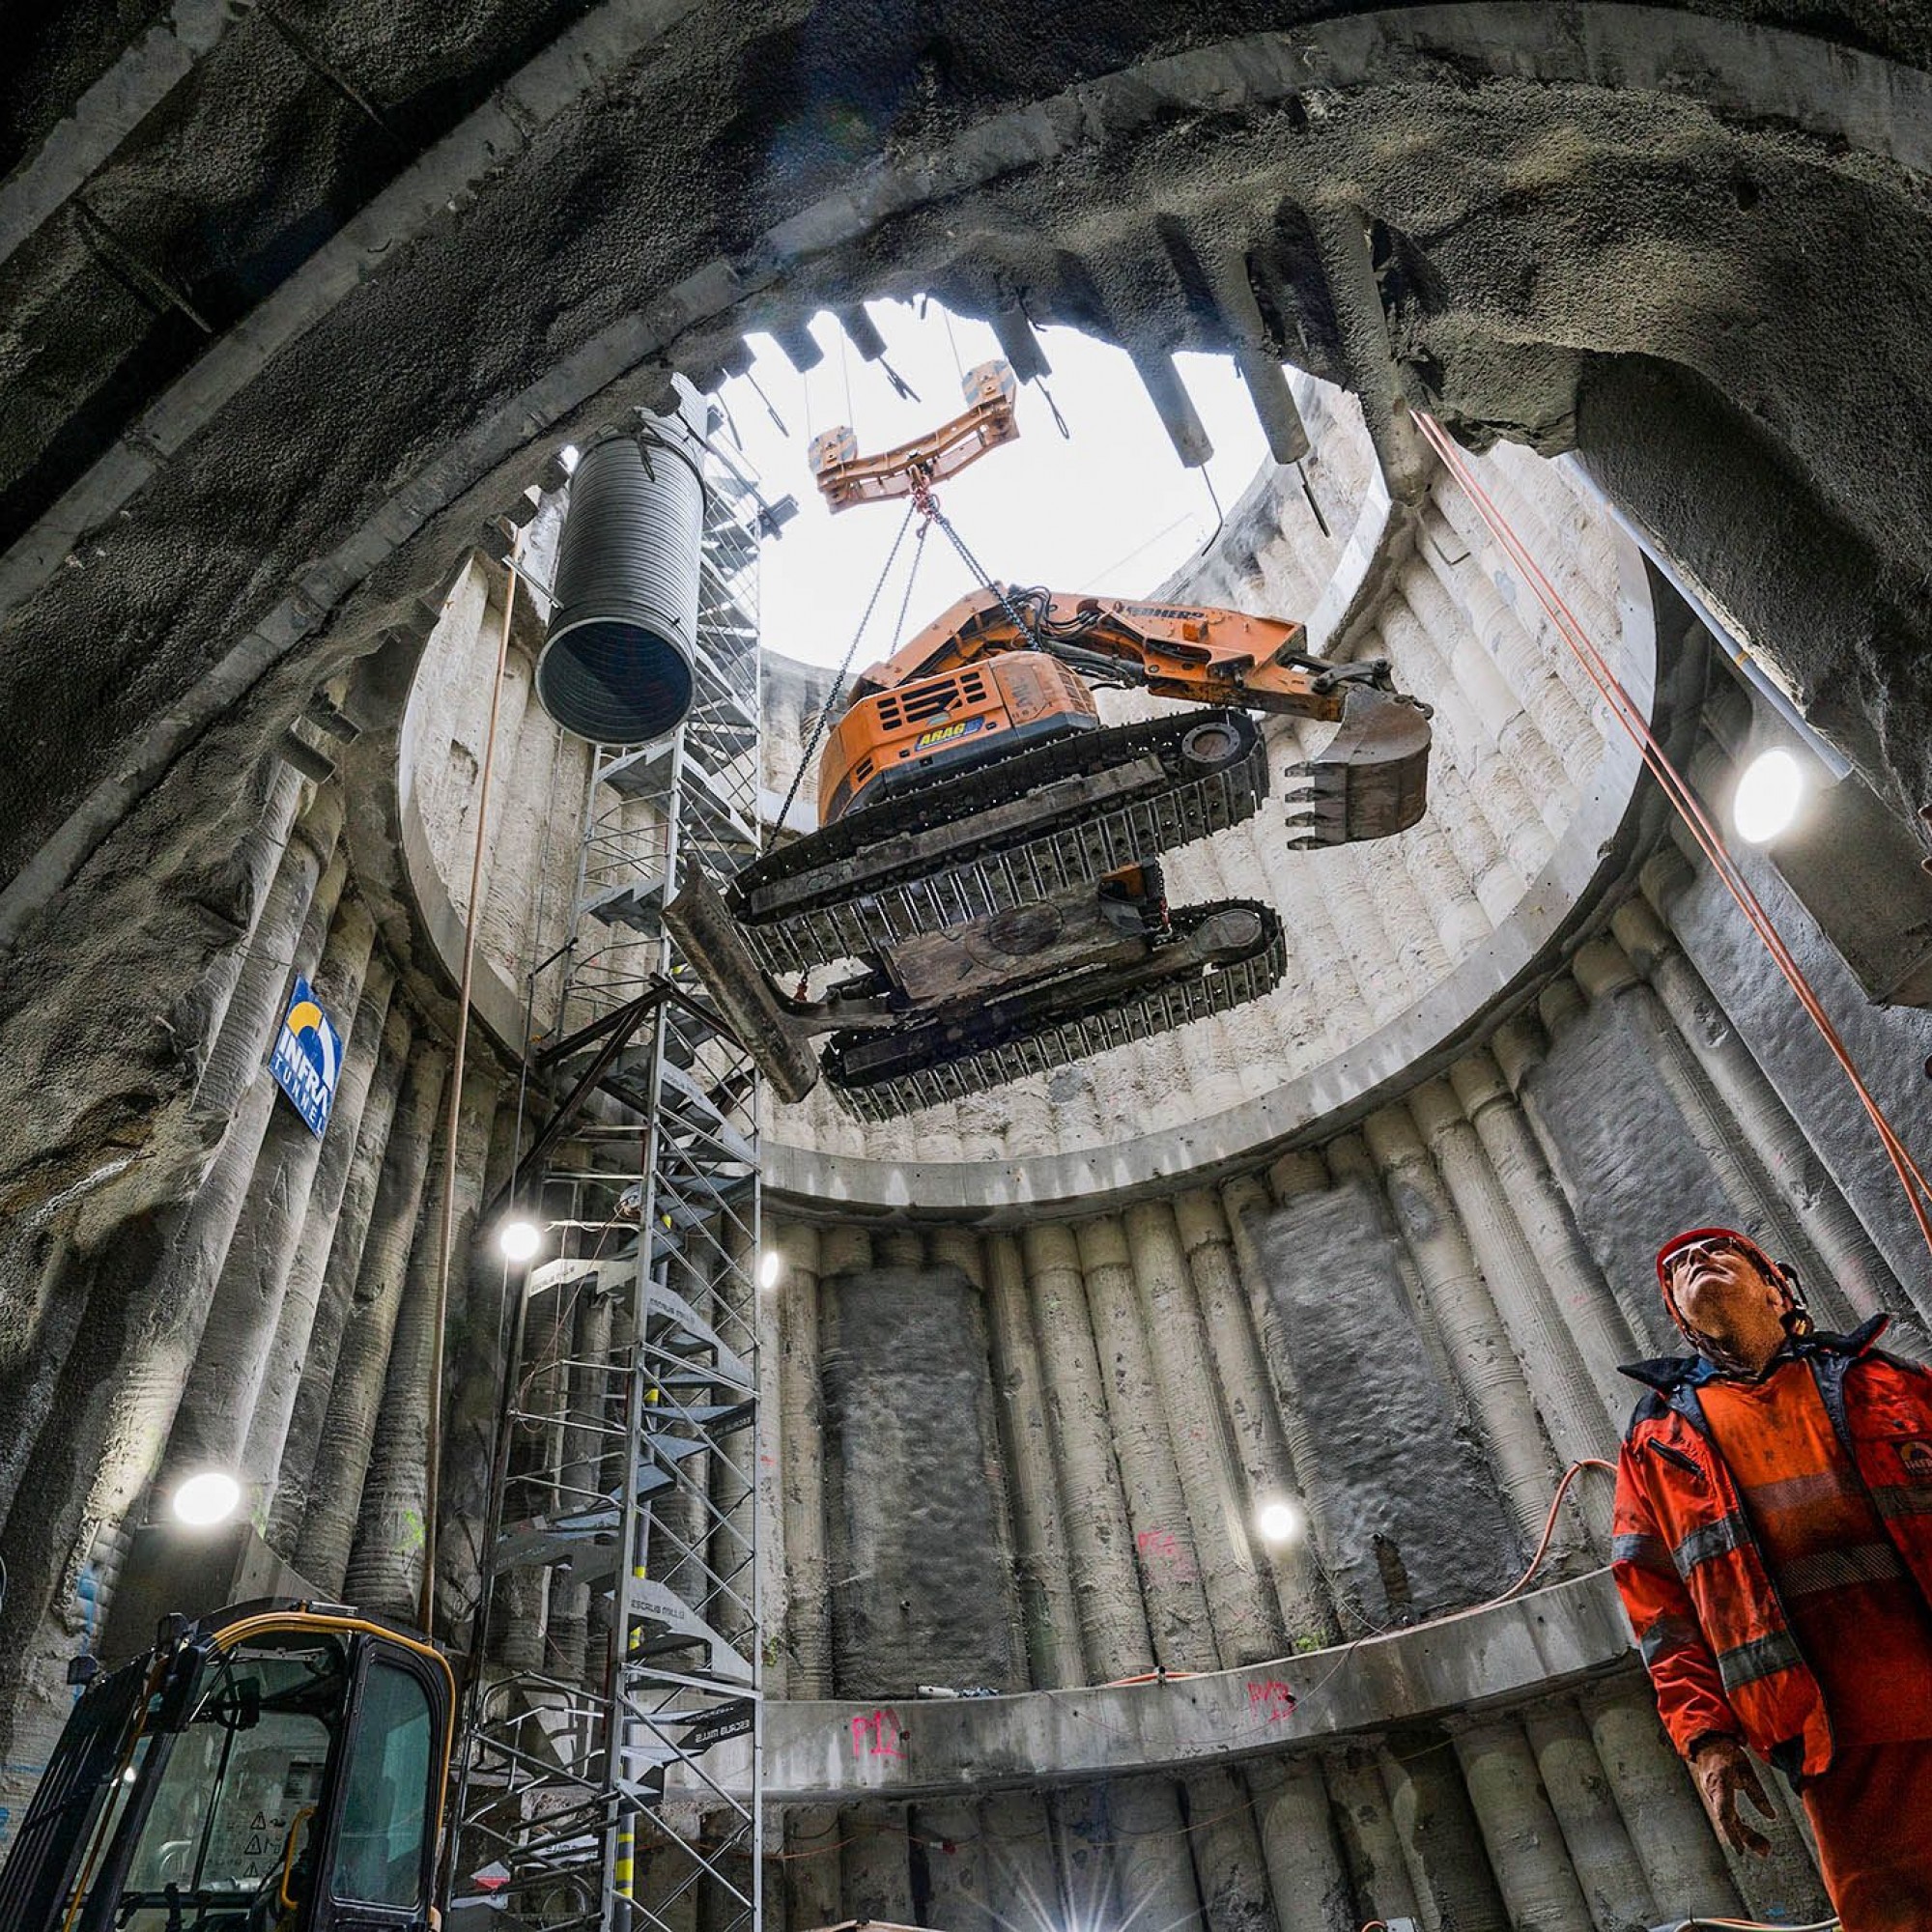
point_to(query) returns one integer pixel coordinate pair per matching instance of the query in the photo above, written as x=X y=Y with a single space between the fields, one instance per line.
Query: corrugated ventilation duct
x=618 y=664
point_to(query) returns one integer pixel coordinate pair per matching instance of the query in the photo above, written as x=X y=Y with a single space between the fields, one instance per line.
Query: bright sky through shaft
x=1108 y=509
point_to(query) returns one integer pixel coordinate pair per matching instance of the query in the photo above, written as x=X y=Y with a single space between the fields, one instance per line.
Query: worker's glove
x=1724 y=1774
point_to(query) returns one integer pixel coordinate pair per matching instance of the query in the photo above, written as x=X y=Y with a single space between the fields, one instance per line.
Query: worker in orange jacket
x=1773 y=1543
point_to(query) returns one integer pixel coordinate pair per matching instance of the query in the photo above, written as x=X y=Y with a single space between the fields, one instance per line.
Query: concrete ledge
x=1546 y=1640
x=493 y=998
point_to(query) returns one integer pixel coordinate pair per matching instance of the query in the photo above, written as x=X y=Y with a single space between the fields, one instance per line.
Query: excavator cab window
x=381 y=1844
x=225 y=1833
x=275 y=1773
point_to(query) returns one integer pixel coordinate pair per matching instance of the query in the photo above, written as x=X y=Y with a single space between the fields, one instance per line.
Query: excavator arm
x=1201 y=653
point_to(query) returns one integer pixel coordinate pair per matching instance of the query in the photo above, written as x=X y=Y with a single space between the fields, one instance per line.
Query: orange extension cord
x=1910 y=1178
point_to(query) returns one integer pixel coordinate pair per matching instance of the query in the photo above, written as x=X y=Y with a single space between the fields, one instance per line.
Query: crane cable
x=1676 y=788
x=837 y=690
x=924 y=506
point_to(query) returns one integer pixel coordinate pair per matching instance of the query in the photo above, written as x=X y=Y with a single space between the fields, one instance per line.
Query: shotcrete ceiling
x=299 y=293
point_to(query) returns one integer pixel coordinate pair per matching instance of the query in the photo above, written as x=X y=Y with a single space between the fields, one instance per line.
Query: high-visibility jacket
x=1712 y=1632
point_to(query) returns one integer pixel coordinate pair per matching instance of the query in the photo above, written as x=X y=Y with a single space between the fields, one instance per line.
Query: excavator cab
x=278 y=1767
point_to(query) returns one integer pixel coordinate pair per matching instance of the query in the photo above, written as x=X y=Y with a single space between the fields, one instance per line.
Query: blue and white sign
x=307 y=1058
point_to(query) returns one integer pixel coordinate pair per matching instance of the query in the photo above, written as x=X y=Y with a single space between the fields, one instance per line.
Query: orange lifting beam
x=845 y=477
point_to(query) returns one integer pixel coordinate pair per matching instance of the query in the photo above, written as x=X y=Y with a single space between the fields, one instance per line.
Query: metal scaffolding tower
x=622 y=1650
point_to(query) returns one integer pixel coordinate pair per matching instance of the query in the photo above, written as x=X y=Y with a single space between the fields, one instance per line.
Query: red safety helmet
x=1773 y=1272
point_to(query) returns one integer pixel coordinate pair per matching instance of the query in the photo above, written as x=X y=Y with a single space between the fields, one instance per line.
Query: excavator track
x=881 y=1076
x=968 y=845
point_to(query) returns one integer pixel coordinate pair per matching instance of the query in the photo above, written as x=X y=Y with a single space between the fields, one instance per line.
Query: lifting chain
x=924 y=505
x=837 y=690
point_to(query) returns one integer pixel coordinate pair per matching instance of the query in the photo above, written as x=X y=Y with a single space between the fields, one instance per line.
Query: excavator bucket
x=741 y=989
x=1370 y=780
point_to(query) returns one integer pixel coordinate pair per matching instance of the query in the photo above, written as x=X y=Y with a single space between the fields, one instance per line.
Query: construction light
x=770 y=1267
x=570 y=456
x=1280 y=1521
x=203 y=1500
x=518 y=1241
x=1768 y=796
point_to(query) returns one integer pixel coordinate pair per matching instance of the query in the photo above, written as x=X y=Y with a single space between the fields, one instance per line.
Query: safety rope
x=1676 y=788
x=844 y=671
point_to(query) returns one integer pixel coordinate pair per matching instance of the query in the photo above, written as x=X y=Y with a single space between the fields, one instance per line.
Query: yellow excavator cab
x=278 y=1767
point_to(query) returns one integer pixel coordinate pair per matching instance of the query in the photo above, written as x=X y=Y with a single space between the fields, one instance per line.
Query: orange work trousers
x=1872 y=1813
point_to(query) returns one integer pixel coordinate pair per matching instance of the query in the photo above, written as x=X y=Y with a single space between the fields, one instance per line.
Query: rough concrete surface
x=1893 y=1049
x=1407 y=1517
x=1618 y=225
x=1631 y=1186
x=290 y=298
x=921 y=1554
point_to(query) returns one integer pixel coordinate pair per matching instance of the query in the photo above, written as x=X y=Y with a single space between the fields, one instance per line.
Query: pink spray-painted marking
x=1272 y=1699
x=877 y=1734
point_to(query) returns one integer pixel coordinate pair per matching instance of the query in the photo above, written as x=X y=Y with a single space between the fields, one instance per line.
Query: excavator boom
x=1211 y=655
x=1006 y=667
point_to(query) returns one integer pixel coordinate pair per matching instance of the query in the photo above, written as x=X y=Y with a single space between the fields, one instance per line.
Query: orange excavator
x=984 y=894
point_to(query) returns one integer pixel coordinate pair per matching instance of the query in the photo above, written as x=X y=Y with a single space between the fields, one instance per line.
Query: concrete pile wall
x=1022 y=1454
x=184 y=1275
x=243 y=1297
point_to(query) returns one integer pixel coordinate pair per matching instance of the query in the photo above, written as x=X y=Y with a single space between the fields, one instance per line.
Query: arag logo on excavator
x=945 y=734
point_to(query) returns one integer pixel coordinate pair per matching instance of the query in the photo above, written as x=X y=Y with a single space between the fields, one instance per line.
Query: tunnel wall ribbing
x=236 y=1300
x=1032 y=1457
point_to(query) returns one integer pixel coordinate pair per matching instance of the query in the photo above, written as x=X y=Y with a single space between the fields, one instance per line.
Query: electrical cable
x=1059 y=421
x=1162 y=1676
x=452 y=1125
x=1570 y=1475
x=1677 y=789
x=1303 y=1698
x=1220 y=514
x=1751 y=1925
x=778 y=421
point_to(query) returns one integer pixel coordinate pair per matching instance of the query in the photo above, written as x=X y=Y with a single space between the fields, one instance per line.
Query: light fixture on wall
x=771 y=1265
x=518 y=1239
x=1768 y=796
x=206 y=1498
x=1281 y=1520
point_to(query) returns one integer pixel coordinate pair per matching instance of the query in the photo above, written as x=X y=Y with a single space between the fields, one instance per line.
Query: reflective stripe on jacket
x=1709 y=1628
